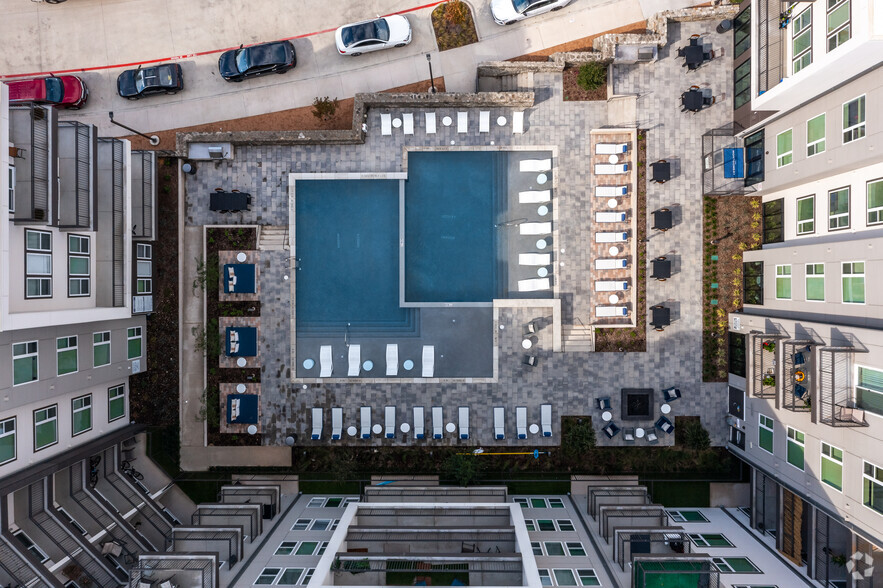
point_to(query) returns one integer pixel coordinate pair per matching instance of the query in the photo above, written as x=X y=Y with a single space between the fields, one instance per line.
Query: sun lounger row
x=484 y=122
x=326 y=361
x=419 y=425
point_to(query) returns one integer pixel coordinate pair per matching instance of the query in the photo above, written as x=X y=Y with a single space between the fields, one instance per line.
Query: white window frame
x=75 y=347
x=522 y=501
x=835 y=34
x=27 y=354
x=789 y=439
x=843 y=274
x=537 y=548
x=326 y=522
x=569 y=522
x=859 y=385
x=546 y=548
x=784 y=276
x=588 y=573
x=699 y=540
x=8 y=428
x=789 y=155
x=316 y=502
x=43 y=278
x=576 y=545
x=79 y=279
x=301 y=524
x=529 y=524
x=267 y=573
x=676 y=516
x=111 y=396
x=857 y=131
x=801 y=224
x=307 y=576
x=130 y=337
x=762 y=425
x=11 y=188
x=322 y=547
x=811 y=146
x=85 y=405
x=143 y=269
x=105 y=341
x=840 y=215
x=556 y=503
x=540 y=530
x=31 y=546
x=545 y=573
x=48 y=419
x=877 y=211
x=532 y=498
x=873 y=480
x=832 y=459
x=571 y=571
x=719 y=561
x=795 y=33
x=809 y=274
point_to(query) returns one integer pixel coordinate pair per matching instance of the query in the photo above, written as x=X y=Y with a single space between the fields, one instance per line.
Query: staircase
x=273 y=238
x=520 y=82
x=578 y=337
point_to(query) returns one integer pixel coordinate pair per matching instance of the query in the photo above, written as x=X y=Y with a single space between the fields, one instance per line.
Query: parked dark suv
x=249 y=62
x=162 y=79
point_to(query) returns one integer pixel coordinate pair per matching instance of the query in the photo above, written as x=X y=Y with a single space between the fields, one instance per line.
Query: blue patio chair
x=664 y=425
x=800 y=391
x=671 y=394
x=611 y=430
x=604 y=403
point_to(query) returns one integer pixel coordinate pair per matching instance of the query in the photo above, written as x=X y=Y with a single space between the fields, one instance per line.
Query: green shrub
x=592 y=75
x=578 y=439
x=464 y=469
x=696 y=437
x=324 y=108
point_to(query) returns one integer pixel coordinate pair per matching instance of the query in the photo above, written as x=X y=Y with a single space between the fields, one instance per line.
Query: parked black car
x=161 y=79
x=238 y=64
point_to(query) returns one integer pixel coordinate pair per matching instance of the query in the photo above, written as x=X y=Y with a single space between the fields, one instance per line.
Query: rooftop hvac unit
x=216 y=152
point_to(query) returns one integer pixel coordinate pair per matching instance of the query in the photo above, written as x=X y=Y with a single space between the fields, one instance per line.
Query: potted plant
x=769 y=380
x=769 y=346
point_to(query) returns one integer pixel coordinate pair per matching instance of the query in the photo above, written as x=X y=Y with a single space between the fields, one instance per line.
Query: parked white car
x=373 y=35
x=508 y=11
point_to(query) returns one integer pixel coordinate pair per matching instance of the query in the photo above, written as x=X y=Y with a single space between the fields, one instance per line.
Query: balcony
x=33 y=131
x=837 y=406
x=799 y=375
x=143 y=194
x=686 y=570
x=764 y=381
x=771 y=43
x=167 y=570
x=111 y=220
x=655 y=541
x=77 y=154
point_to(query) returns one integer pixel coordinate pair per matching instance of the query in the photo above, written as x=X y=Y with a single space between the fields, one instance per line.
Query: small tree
x=592 y=75
x=456 y=12
x=696 y=437
x=578 y=439
x=462 y=468
x=324 y=108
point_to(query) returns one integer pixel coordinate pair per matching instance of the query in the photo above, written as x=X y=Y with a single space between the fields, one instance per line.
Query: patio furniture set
x=637 y=405
x=430 y=123
x=227 y=202
x=356 y=365
x=697 y=52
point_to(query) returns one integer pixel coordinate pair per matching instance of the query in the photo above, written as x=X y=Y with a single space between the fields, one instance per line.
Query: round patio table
x=396 y=122
x=240 y=388
x=309 y=363
x=447 y=121
x=368 y=365
x=613 y=250
x=665 y=408
x=613 y=298
x=408 y=364
x=639 y=433
x=351 y=431
x=501 y=121
x=405 y=427
x=240 y=257
x=526 y=343
x=613 y=158
x=534 y=429
x=377 y=429
x=543 y=210
x=542 y=179
x=612 y=203
x=252 y=429
x=542 y=272
x=606 y=416
x=450 y=427
x=541 y=244
x=241 y=362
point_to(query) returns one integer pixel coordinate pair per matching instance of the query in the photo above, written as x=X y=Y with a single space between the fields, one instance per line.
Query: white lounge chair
x=430 y=123
x=610 y=285
x=534 y=196
x=438 y=425
x=484 y=121
x=535 y=228
x=390 y=418
x=419 y=423
x=392 y=359
x=611 y=191
x=408 y=123
x=499 y=422
x=317 y=423
x=610 y=148
x=518 y=122
x=534 y=258
x=336 y=422
x=521 y=421
x=535 y=165
x=385 y=124
x=533 y=284
x=610 y=217
x=462 y=122
x=546 y=419
x=611 y=311
x=355 y=360
x=611 y=237
x=609 y=264
x=365 y=418
x=464 y=422
x=428 y=361
x=606 y=169
x=326 y=363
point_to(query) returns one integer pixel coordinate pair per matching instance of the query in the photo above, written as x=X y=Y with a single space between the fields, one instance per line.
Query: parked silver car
x=373 y=35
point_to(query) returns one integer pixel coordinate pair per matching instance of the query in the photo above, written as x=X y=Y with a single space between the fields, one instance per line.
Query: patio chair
x=390 y=420
x=535 y=228
x=800 y=391
x=531 y=328
x=664 y=425
x=392 y=359
x=604 y=403
x=518 y=122
x=463 y=413
x=535 y=165
x=546 y=419
x=610 y=217
x=610 y=148
x=848 y=414
x=408 y=123
x=428 y=361
x=365 y=419
x=610 y=191
x=534 y=196
x=419 y=423
x=317 y=423
x=438 y=425
x=385 y=124
x=430 y=123
x=798 y=358
x=530 y=360
x=611 y=430
x=234 y=347
x=355 y=359
x=484 y=121
x=533 y=284
x=462 y=122
x=499 y=422
x=326 y=362
x=628 y=434
x=606 y=169
x=234 y=336
x=611 y=285
x=521 y=421
x=609 y=264
x=651 y=437
x=611 y=311
x=671 y=394
x=617 y=237
x=534 y=258
x=336 y=422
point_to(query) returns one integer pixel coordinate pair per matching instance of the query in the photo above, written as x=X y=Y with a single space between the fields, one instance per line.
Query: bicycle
x=126 y=467
x=93 y=470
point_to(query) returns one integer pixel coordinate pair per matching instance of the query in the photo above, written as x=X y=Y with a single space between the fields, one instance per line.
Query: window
x=575 y=549
x=565 y=525
x=875 y=201
x=754 y=153
x=522 y=501
x=736 y=353
x=554 y=548
x=806 y=215
x=143 y=269
x=11 y=188
x=322 y=547
x=783 y=282
x=742 y=84
x=869 y=390
x=537 y=548
x=773 y=221
x=528 y=523
x=588 y=578
x=320 y=525
x=31 y=546
x=742 y=32
x=307 y=576
x=765 y=433
x=306 y=548
x=290 y=577
x=752 y=277
x=556 y=503
x=66 y=355
x=301 y=524
x=7 y=440
x=81 y=414
x=545 y=577
x=334 y=524
x=315 y=502
x=268 y=576
x=815 y=134
x=735 y=565
x=100 y=348
x=872 y=493
x=545 y=525
x=854 y=282
x=349 y=500
x=815 y=281
x=838 y=209
x=38 y=264
x=832 y=466
x=116 y=403
x=45 y=427
x=838 y=23
x=24 y=363
x=334 y=502
x=564 y=577
x=133 y=335
x=795 y=448
x=854 y=119
x=784 y=148
x=687 y=516
x=78 y=274
x=801 y=41
x=538 y=503
x=709 y=540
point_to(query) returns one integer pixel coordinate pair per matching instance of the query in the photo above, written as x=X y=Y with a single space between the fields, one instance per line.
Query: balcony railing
x=765 y=373
x=77 y=154
x=686 y=570
x=32 y=131
x=143 y=194
x=798 y=377
x=837 y=406
x=111 y=199
x=770 y=43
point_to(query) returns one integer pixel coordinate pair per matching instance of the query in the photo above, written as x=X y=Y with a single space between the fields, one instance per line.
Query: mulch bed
x=572 y=90
x=153 y=394
x=633 y=339
x=450 y=35
x=583 y=44
x=732 y=225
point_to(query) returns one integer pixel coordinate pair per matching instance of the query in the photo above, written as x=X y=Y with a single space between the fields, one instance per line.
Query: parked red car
x=60 y=91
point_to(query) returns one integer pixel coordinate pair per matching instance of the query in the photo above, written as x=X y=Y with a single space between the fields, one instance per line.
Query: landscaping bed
x=633 y=339
x=573 y=91
x=732 y=225
x=453 y=25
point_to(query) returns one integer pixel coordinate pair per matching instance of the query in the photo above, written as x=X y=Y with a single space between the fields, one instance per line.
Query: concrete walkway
x=95 y=33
